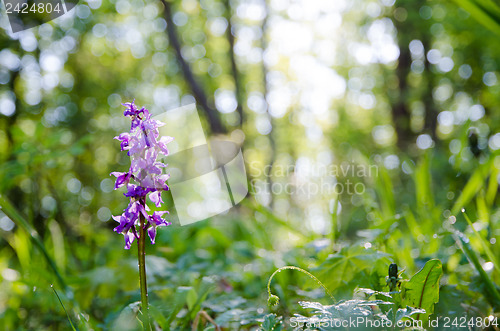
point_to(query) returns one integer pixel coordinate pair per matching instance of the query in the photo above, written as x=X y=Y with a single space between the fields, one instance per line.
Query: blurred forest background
x=408 y=88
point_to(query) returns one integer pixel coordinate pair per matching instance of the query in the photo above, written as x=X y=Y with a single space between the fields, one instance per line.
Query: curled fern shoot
x=273 y=300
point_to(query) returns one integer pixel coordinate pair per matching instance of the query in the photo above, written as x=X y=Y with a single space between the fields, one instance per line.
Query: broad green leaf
x=422 y=290
x=271 y=323
x=341 y=268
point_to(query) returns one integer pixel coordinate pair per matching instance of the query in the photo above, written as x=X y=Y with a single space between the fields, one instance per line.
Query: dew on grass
x=10 y=275
x=452 y=219
x=5 y=223
x=488 y=266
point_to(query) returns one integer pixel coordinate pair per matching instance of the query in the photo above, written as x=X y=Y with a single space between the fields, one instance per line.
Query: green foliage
x=128 y=319
x=486 y=13
x=415 y=303
x=422 y=290
x=485 y=245
x=272 y=323
x=475 y=183
x=343 y=310
x=370 y=314
x=405 y=314
x=351 y=267
x=489 y=288
x=57 y=150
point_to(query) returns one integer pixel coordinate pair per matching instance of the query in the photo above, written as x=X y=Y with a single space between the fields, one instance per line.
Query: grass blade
x=16 y=217
x=491 y=294
x=486 y=248
x=62 y=305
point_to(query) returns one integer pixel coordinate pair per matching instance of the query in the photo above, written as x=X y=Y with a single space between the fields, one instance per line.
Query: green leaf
x=271 y=323
x=474 y=184
x=491 y=293
x=206 y=286
x=422 y=290
x=158 y=317
x=239 y=316
x=451 y=300
x=369 y=292
x=127 y=320
x=423 y=185
x=8 y=208
x=178 y=301
x=485 y=12
x=484 y=243
x=340 y=269
x=191 y=299
x=405 y=313
x=344 y=310
x=385 y=189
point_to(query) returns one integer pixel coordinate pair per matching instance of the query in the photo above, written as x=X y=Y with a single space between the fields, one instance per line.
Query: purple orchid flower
x=143 y=145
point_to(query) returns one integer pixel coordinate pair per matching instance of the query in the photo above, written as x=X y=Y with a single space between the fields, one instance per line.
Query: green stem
x=142 y=275
x=301 y=270
x=334 y=220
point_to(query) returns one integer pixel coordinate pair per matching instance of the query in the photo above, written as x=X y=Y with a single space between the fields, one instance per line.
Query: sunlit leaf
x=422 y=290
